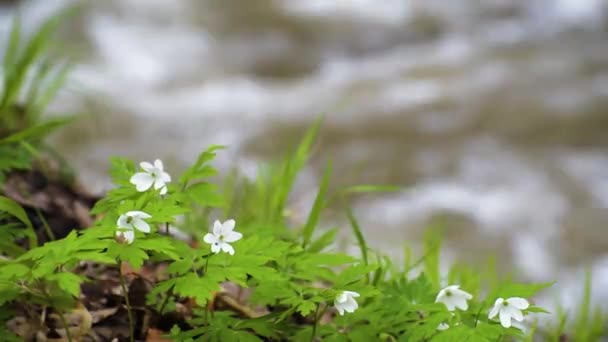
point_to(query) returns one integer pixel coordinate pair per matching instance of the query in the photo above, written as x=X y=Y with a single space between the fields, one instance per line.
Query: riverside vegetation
x=245 y=271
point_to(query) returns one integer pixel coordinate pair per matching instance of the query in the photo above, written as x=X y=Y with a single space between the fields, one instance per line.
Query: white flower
x=223 y=233
x=443 y=326
x=509 y=308
x=345 y=301
x=453 y=297
x=130 y=221
x=152 y=175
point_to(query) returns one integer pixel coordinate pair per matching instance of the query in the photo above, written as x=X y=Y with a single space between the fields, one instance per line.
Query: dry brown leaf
x=155 y=335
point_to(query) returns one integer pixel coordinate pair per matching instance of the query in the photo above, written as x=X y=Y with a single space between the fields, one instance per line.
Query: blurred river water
x=492 y=115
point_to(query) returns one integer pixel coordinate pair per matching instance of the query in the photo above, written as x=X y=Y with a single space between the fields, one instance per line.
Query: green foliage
x=294 y=274
x=30 y=81
x=15 y=223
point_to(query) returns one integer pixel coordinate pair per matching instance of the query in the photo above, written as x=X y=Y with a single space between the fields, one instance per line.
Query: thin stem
x=166 y=300
x=126 y=294
x=65 y=325
x=206 y=264
x=206 y=314
x=167 y=228
x=45 y=224
x=61 y=315
x=314 y=327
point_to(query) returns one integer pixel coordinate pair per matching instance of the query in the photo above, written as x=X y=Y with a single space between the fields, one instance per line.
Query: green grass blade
x=294 y=165
x=32 y=51
x=358 y=235
x=582 y=326
x=432 y=246
x=53 y=85
x=45 y=67
x=12 y=49
x=37 y=131
x=370 y=188
x=313 y=217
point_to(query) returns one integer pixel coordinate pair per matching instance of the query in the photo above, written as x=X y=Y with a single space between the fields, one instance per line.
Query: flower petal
x=463 y=294
x=217 y=228
x=351 y=305
x=142 y=181
x=494 y=311
x=505 y=318
x=210 y=238
x=449 y=303
x=215 y=247
x=147 y=167
x=122 y=222
x=141 y=225
x=165 y=177
x=227 y=248
x=517 y=314
x=158 y=183
x=443 y=326
x=138 y=214
x=518 y=302
x=228 y=226
x=126 y=235
x=440 y=296
x=159 y=164
x=163 y=190
x=232 y=236
x=340 y=309
x=341 y=298
x=352 y=294
x=461 y=303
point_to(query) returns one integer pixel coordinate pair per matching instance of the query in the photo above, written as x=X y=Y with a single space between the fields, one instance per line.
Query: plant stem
x=65 y=325
x=314 y=327
x=166 y=300
x=206 y=264
x=167 y=228
x=45 y=224
x=126 y=294
x=61 y=315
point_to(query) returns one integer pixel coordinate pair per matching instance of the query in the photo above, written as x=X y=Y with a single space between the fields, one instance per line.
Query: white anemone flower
x=453 y=297
x=508 y=309
x=130 y=221
x=223 y=234
x=443 y=326
x=345 y=301
x=152 y=175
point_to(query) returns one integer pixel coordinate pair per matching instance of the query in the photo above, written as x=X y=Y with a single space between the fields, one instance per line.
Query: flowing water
x=490 y=114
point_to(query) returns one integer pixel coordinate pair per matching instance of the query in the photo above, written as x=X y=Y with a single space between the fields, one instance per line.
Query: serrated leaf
x=68 y=282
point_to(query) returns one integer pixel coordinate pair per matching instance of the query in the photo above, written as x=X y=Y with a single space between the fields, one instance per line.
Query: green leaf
x=68 y=282
x=13 y=208
x=205 y=194
x=306 y=307
x=199 y=169
x=13 y=271
x=199 y=288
